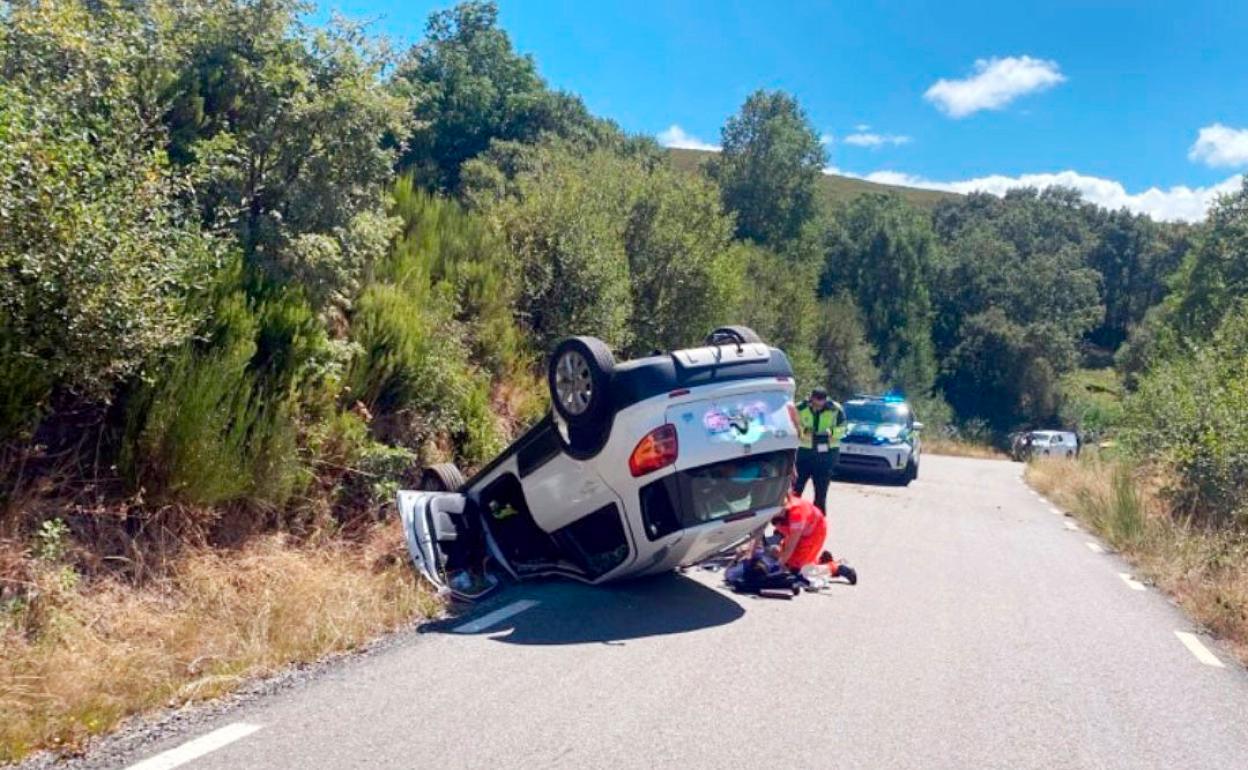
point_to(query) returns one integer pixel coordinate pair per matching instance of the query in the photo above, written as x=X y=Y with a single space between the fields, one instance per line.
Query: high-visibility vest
x=827 y=424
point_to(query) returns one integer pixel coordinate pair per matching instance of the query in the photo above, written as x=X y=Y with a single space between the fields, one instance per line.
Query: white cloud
x=675 y=136
x=875 y=141
x=862 y=127
x=826 y=139
x=995 y=83
x=1180 y=203
x=1220 y=145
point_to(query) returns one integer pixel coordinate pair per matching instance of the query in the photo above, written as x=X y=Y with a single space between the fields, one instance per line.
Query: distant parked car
x=1054 y=443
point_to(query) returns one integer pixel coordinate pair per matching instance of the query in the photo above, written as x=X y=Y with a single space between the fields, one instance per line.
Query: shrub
x=443 y=245
x=412 y=371
x=1189 y=412
x=210 y=431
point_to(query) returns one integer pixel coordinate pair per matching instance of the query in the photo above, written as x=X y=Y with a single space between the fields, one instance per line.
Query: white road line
x=1054 y=510
x=1135 y=584
x=495 y=617
x=1072 y=526
x=1096 y=548
x=197 y=748
x=1197 y=648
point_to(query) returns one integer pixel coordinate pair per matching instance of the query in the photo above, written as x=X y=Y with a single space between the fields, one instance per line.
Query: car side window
x=1056 y=440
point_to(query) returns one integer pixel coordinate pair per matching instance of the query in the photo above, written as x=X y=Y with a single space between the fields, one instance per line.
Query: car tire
x=444 y=477
x=732 y=334
x=912 y=471
x=579 y=375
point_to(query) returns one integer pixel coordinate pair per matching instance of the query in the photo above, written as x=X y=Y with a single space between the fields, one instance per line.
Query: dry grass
x=1205 y=570
x=939 y=445
x=75 y=660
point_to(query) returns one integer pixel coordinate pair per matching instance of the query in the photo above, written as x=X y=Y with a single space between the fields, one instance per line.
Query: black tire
x=729 y=335
x=444 y=477
x=581 y=369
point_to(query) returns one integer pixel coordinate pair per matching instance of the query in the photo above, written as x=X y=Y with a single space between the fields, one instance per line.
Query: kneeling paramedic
x=803 y=529
x=821 y=423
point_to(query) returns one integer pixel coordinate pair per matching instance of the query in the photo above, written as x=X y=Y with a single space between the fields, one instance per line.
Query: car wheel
x=912 y=471
x=729 y=335
x=579 y=373
x=444 y=477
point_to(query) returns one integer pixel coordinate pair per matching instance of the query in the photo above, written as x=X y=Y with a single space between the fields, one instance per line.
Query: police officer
x=821 y=423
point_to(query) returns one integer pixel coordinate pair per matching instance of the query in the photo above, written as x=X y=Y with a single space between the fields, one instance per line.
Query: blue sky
x=1143 y=104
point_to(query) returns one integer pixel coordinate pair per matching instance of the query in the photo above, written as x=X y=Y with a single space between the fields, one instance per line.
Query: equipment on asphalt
x=641 y=467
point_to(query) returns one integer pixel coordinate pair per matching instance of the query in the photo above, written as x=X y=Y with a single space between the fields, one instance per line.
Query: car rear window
x=740 y=486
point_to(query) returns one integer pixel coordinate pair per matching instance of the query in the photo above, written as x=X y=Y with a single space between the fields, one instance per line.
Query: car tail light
x=657 y=449
x=793 y=416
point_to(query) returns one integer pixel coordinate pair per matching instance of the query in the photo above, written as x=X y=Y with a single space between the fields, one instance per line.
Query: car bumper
x=867 y=458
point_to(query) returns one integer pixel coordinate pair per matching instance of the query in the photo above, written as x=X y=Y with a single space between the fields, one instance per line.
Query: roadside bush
x=96 y=256
x=412 y=371
x=210 y=431
x=1091 y=400
x=442 y=244
x=563 y=216
x=1189 y=413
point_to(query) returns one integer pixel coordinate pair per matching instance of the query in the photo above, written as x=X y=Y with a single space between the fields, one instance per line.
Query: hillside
x=835 y=188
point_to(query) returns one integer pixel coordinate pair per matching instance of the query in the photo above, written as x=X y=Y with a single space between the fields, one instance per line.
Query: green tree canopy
x=98 y=252
x=883 y=253
x=1214 y=274
x=281 y=127
x=768 y=168
x=468 y=87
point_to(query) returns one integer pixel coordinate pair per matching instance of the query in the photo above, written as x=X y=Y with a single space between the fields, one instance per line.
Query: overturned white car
x=641 y=467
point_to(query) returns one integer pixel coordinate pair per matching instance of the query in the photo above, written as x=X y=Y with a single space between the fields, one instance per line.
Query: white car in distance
x=1054 y=443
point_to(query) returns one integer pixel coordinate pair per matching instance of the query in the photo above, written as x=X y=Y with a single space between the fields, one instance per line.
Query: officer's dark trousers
x=816 y=466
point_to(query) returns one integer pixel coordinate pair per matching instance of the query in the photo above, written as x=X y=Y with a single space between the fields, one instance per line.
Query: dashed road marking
x=1197 y=648
x=1054 y=510
x=1072 y=526
x=1130 y=581
x=495 y=617
x=194 y=749
x=1095 y=547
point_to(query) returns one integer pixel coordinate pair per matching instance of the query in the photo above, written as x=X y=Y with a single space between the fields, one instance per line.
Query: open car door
x=440 y=538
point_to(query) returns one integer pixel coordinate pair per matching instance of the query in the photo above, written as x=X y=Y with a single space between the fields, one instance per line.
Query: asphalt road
x=983 y=633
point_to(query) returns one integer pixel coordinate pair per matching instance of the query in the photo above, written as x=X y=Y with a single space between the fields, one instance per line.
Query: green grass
x=835 y=189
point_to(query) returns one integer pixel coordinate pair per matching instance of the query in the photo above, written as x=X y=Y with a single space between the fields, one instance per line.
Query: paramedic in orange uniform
x=802 y=529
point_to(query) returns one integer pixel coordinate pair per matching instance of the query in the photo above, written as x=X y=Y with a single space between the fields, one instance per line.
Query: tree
x=882 y=252
x=768 y=168
x=1134 y=256
x=281 y=126
x=98 y=252
x=468 y=87
x=683 y=278
x=1014 y=300
x=778 y=302
x=1003 y=372
x=563 y=214
x=610 y=243
x=842 y=348
x=1214 y=274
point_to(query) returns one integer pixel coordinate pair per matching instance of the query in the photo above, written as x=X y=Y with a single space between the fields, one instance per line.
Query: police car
x=882 y=437
x=640 y=467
